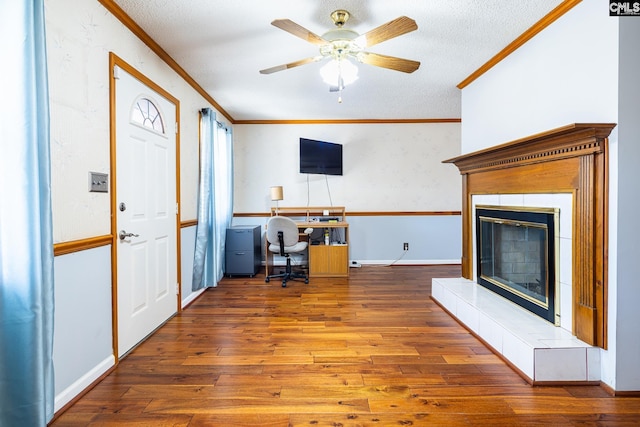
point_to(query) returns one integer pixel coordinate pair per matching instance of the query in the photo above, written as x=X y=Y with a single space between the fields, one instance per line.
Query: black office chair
x=282 y=235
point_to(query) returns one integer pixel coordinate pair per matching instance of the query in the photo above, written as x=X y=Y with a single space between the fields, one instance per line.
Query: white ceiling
x=223 y=44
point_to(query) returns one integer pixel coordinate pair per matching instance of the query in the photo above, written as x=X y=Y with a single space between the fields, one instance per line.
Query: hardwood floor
x=371 y=350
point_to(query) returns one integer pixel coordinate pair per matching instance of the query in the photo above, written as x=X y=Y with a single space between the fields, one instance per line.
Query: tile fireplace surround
x=563 y=168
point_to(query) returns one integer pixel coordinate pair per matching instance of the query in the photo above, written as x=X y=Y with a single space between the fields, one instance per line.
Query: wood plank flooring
x=371 y=350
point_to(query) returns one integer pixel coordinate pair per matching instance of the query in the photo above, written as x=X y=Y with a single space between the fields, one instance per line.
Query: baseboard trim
x=382 y=262
x=408 y=262
x=83 y=384
x=192 y=297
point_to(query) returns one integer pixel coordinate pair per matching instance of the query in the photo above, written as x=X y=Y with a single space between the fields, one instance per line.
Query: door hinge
x=177 y=208
x=176 y=128
x=116 y=72
x=177 y=288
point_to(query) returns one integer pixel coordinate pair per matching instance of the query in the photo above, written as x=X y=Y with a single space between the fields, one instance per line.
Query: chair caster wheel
x=306 y=281
x=284 y=284
x=266 y=280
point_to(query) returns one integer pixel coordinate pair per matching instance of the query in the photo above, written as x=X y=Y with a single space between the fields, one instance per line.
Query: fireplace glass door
x=516 y=257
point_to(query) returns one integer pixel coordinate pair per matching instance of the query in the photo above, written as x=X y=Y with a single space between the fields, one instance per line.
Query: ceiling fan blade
x=391 y=29
x=390 y=62
x=291 y=65
x=298 y=31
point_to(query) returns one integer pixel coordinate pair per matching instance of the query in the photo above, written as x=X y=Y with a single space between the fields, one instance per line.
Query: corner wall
x=628 y=186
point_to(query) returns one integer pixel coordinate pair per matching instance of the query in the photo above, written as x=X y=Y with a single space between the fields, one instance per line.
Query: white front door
x=145 y=210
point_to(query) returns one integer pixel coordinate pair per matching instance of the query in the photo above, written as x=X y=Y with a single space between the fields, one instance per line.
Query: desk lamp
x=276 y=195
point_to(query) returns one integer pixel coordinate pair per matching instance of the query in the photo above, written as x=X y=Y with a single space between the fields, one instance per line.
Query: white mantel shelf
x=541 y=352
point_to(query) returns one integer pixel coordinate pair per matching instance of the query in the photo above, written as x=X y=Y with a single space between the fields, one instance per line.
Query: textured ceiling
x=224 y=44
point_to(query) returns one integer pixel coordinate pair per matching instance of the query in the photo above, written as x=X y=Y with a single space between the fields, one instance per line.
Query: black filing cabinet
x=243 y=253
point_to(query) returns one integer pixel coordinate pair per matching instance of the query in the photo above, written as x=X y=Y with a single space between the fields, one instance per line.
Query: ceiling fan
x=340 y=44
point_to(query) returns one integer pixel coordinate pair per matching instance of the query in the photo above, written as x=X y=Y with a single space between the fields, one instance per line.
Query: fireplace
x=572 y=159
x=517 y=256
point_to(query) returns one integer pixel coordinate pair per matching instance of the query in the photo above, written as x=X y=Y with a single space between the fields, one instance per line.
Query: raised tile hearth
x=540 y=351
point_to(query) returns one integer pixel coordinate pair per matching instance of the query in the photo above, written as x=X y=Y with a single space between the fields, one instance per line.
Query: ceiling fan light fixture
x=339 y=72
x=340 y=43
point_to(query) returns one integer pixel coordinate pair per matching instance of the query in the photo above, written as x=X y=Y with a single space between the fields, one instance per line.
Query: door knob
x=123 y=235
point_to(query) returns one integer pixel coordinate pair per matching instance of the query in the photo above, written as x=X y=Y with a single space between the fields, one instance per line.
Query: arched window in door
x=146 y=114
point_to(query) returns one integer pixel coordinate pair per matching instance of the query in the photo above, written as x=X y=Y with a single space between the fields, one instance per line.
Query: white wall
x=387 y=167
x=565 y=74
x=569 y=74
x=80 y=35
x=187 y=251
x=82 y=339
x=379 y=239
x=628 y=206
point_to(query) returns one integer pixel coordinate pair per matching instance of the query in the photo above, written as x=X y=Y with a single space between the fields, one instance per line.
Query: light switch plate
x=98 y=182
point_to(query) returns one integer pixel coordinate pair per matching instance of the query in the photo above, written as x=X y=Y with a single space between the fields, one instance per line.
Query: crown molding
x=547 y=20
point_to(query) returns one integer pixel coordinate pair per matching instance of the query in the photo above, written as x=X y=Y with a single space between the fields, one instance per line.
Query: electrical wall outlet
x=406 y=246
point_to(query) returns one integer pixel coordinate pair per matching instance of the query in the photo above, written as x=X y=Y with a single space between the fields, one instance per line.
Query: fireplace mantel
x=570 y=159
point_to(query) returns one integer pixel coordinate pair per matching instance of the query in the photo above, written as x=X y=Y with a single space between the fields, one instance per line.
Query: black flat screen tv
x=320 y=157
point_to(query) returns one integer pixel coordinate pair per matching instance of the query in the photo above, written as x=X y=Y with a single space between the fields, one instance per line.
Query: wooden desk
x=324 y=260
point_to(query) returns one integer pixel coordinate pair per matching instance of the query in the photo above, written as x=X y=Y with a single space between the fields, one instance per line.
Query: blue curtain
x=215 y=200
x=26 y=243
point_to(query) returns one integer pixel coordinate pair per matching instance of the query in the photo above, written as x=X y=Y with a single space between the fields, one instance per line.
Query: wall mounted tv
x=320 y=157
